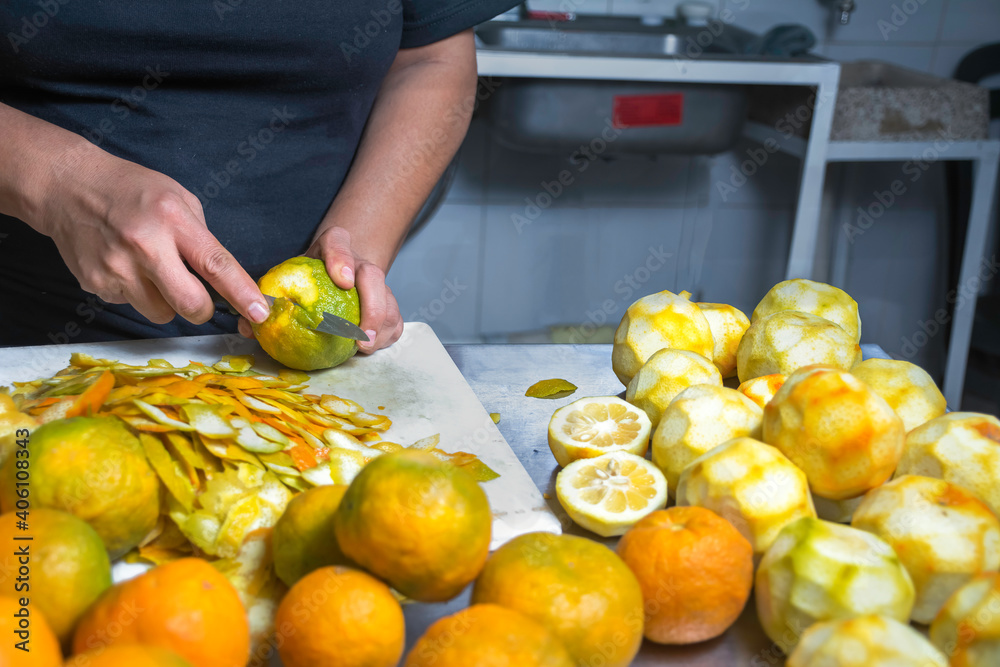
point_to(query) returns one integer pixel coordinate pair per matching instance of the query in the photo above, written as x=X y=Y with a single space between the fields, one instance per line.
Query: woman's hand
x=123 y=230
x=380 y=316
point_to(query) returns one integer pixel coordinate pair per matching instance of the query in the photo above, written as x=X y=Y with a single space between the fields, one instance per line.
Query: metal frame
x=822 y=75
x=815 y=152
x=985 y=158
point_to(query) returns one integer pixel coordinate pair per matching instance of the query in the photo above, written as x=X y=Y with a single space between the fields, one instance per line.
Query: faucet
x=845 y=7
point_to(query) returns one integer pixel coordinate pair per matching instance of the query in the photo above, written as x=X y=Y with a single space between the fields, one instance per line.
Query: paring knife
x=331 y=324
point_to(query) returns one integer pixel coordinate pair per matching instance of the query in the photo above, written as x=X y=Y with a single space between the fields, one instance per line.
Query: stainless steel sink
x=618 y=36
x=558 y=115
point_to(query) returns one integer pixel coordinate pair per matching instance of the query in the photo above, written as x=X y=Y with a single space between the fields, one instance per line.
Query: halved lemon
x=609 y=494
x=595 y=426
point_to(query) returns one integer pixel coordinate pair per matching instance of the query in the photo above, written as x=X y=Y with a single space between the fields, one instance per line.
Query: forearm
x=33 y=154
x=417 y=123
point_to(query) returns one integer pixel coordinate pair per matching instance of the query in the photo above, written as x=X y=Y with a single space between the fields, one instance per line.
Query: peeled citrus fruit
x=968 y=626
x=68 y=566
x=579 y=589
x=762 y=389
x=304 y=292
x=841 y=433
x=787 y=340
x=608 y=494
x=865 y=641
x=698 y=419
x=421 y=524
x=666 y=374
x=906 y=387
x=960 y=447
x=488 y=635
x=695 y=571
x=655 y=322
x=92 y=467
x=942 y=533
x=303 y=538
x=751 y=485
x=339 y=617
x=819 y=299
x=728 y=324
x=38 y=646
x=595 y=426
x=186 y=606
x=128 y=655
x=819 y=571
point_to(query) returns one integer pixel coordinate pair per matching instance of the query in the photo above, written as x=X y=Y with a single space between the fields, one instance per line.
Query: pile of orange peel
x=230 y=445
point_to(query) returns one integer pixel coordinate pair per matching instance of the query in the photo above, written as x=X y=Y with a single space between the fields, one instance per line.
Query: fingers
x=393 y=326
x=335 y=251
x=374 y=296
x=243 y=326
x=146 y=298
x=216 y=265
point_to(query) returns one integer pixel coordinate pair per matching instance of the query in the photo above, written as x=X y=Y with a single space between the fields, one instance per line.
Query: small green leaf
x=554 y=388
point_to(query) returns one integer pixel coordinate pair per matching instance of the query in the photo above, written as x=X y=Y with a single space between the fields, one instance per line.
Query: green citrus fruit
x=68 y=567
x=421 y=524
x=95 y=469
x=304 y=292
x=303 y=538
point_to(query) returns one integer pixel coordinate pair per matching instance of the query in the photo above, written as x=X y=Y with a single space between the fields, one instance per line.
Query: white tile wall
x=570 y=261
x=435 y=278
x=566 y=264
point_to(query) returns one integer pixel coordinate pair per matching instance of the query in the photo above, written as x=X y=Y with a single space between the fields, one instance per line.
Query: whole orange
x=419 y=523
x=695 y=570
x=488 y=635
x=339 y=617
x=128 y=655
x=67 y=566
x=186 y=606
x=27 y=640
x=577 y=588
x=303 y=538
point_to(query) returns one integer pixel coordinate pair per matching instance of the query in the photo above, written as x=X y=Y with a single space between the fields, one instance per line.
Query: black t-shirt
x=255 y=106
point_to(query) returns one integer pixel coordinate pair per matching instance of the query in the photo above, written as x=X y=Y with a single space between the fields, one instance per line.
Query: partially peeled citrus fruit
x=304 y=292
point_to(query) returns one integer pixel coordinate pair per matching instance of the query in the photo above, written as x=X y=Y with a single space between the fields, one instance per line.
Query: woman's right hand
x=126 y=232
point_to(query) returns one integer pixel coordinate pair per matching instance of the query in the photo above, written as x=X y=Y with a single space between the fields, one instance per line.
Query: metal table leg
x=976 y=269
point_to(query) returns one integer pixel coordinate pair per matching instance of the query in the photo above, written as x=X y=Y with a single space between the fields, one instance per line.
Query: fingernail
x=257 y=312
x=371 y=338
x=347 y=272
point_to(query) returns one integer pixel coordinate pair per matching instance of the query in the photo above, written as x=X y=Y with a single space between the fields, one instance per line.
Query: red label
x=648 y=110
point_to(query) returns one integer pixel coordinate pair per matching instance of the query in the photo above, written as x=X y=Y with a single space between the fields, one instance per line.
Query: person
x=150 y=149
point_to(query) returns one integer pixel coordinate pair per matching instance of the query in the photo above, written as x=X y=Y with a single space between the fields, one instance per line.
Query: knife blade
x=331 y=324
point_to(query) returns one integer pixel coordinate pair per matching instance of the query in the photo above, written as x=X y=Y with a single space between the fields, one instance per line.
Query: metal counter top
x=499 y=375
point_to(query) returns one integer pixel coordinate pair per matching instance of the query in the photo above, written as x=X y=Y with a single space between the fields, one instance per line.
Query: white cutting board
x=415 y=379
